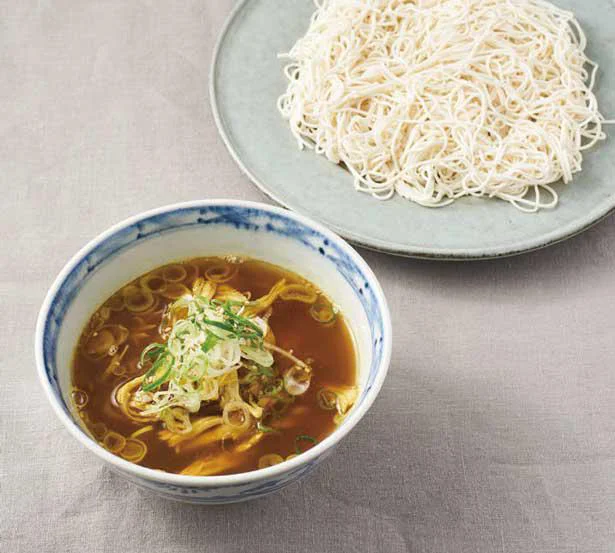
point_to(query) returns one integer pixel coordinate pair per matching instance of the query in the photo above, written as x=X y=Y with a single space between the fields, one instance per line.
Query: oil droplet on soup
x=214 y=366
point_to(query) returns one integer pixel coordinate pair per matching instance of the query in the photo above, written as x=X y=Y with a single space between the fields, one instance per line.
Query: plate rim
x=570 y=230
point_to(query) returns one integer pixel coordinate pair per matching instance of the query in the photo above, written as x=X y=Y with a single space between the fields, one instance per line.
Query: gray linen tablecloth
x=494 y=432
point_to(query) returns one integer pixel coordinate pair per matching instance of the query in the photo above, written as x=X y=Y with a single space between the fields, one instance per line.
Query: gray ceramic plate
x=247 y=79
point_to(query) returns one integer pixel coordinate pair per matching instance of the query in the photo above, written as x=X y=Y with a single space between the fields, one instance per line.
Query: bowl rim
x=217 y=480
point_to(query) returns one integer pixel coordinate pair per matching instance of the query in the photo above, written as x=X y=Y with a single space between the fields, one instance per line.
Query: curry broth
x=328 y=348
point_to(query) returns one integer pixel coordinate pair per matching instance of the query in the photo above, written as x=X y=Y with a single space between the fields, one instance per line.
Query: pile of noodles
x=439 y=99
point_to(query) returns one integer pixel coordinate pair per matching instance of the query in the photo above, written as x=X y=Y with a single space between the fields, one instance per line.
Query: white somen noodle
x=439 y=99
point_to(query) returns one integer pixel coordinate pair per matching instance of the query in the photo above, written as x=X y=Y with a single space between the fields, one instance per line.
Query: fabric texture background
x=494 y=432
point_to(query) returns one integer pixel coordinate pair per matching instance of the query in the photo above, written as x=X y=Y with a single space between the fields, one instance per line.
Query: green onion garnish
x=242 y=320
x=265 y=371
x=188 y=363
x=275 y=389
x=303 y=438
x=159 y=373
x=209 y=342
x=218 y=324
x=151 y=351
x=265 y=429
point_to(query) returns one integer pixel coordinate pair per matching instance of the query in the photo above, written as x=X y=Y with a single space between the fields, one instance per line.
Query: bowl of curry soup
x=213 y=351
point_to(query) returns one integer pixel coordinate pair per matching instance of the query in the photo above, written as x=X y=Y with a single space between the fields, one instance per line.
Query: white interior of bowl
x=199 y=241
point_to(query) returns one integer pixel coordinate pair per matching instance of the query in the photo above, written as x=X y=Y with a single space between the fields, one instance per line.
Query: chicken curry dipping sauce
x=214 y=366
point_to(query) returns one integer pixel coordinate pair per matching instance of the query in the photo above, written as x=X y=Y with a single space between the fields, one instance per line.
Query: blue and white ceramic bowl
x=204 y=228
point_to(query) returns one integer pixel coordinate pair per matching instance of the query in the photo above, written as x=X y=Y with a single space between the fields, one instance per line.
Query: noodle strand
x=435 y=100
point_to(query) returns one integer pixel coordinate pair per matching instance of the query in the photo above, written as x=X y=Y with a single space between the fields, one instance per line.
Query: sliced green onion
x=151 y=351
x=137 y=299
x=242 y=320
x=303 y=438
x=275 y=389
x=260 y=356
x=159 y=373
x=265 y=429
x=265 y=371
x=327 y=399
x=174 y=273
x=323 y=311
x=198 y=368
x=184 y=328
x=175 y=346
x=221 y=330
x=297 y=380
x=154 y=283
x=251 y=336
x=222 y=272
x=209 y=342
x=218 y=324
x=270 y=460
